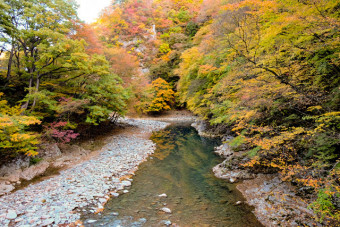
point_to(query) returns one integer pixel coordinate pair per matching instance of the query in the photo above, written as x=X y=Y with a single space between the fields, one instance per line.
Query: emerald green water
x=181 y=168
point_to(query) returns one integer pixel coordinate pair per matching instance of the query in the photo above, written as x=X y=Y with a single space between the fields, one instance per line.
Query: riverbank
x=276 y=202
x=89 y=183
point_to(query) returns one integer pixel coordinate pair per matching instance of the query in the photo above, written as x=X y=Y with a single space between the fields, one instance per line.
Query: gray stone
x=33 y=171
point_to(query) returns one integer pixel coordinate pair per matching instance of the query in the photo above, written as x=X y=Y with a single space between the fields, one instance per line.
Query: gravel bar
x=58 y=200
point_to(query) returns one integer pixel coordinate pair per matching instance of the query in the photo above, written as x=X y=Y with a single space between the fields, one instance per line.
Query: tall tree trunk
x=9 y=66
x=36 y=91
x=25 y=106
x=17 y=56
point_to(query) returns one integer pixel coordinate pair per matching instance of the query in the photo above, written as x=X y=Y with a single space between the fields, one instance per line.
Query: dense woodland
x=268 y=70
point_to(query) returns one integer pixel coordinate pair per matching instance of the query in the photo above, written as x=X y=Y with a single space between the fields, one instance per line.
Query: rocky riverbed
x=276 y=202
x=87 y=185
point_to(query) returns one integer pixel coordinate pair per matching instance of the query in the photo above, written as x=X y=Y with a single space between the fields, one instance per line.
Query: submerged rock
x=163 y=195
x=166 y=210
x=115 y=194
x=166 y=222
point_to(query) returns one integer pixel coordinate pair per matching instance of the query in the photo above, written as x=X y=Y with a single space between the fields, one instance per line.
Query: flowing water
x=180 y=168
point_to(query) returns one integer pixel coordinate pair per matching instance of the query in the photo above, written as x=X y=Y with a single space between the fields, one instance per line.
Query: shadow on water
x=181 y=168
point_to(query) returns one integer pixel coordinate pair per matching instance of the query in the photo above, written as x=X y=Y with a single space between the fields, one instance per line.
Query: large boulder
x=50 y=150
x=36 y=170
x=16 y=164
x=276 y=203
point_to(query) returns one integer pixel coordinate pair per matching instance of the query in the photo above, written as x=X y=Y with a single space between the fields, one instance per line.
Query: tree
x=158 y=98
x=107 y=97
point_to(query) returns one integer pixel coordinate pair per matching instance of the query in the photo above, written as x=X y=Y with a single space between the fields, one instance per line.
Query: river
x=181 y=168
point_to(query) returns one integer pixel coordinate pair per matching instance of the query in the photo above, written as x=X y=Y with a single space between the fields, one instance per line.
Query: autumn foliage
x=158 y=97
x=14 y=137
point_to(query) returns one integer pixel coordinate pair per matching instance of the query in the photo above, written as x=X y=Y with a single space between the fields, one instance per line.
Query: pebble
x=166 y=210
x=167 y=223
x=82 y=185
x=11 y=214
x=115 y=194
x=91 y=221
x=163 y=195
x=126 y=183
x=238 y=203
x=232 y=180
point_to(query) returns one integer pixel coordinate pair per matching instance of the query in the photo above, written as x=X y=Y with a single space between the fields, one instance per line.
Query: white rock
x=126 y=183
x=166 y=210
x=11 y=214
x=167 y=223
x=102 y=200
x=125 y=191
x=91 y=221
x=115 y=194
x=163 y=195
x=238 y=202
x=232 y=180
